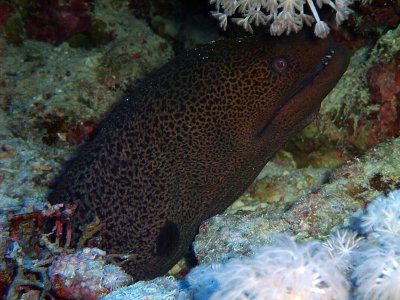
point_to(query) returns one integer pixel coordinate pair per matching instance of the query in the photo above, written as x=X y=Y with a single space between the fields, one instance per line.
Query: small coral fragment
x=85 y=275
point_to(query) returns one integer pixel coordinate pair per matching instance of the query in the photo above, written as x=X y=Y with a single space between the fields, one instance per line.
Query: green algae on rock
x=188 y=140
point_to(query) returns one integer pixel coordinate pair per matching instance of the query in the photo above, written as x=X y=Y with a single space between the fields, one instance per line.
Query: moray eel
x=188 y=140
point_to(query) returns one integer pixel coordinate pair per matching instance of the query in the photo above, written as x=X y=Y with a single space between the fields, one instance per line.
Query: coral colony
x=283 y=271
x=366 y=261
x=284 y=16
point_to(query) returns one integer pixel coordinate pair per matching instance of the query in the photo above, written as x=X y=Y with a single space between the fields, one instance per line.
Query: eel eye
x=280 y=64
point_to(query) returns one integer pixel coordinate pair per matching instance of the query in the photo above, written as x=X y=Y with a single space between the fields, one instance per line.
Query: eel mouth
x=308 y=79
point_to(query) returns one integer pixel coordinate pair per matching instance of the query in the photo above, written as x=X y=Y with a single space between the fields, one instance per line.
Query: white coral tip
x=321 y=29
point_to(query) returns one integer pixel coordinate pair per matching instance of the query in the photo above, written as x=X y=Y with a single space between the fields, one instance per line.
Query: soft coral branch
x=282 y=15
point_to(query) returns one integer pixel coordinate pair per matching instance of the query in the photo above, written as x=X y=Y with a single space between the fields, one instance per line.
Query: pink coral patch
x=56 y=21
x=384 y=86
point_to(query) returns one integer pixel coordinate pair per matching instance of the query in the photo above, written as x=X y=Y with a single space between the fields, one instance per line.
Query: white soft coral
x=344 y=246
x=286 y=271
x=377 y=272
x=382 y=217
x=377 y=267
x=283 y=15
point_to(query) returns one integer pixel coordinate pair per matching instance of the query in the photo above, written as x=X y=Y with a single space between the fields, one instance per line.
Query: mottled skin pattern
x=189 y=140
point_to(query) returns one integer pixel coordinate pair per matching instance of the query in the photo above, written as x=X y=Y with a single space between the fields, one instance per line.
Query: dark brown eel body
x=189 y=140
